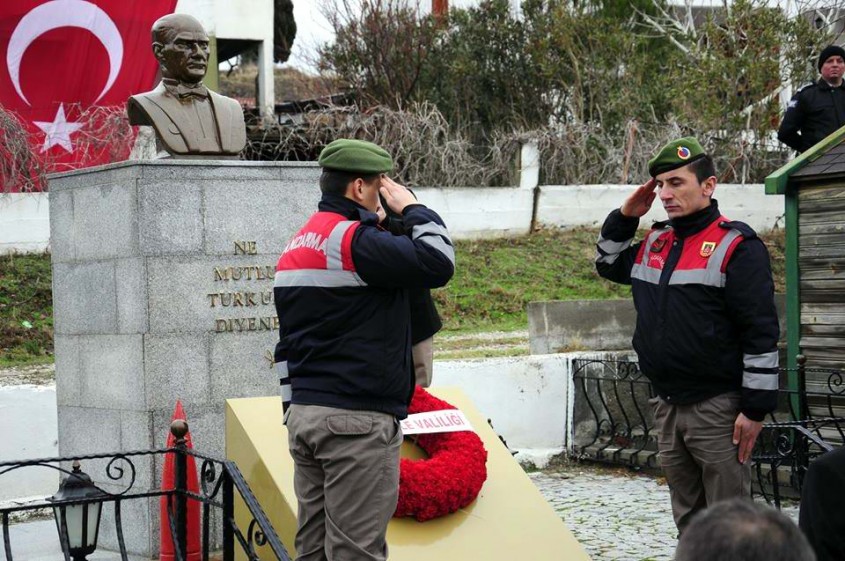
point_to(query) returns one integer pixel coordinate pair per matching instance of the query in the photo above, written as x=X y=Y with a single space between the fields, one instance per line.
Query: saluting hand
x=396 y=196
x=639 y=202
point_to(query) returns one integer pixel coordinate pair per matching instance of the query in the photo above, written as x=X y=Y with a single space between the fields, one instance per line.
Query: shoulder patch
x=743 y=228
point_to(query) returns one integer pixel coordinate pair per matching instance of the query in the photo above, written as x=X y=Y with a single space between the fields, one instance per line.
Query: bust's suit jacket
x=168 y=116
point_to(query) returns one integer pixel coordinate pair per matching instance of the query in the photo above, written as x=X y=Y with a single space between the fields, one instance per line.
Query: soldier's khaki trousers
x=346 y=479
x=697 y=454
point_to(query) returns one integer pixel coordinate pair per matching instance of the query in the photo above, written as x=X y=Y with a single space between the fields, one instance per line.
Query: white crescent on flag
x=64 y=13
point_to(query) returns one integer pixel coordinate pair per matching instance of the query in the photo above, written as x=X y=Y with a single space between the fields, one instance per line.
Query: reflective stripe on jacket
x=341 y=293
x=706 y=321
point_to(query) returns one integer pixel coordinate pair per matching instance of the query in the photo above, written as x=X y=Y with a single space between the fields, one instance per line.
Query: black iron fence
x=612 y=418
x=613 y=422
x=219 y=484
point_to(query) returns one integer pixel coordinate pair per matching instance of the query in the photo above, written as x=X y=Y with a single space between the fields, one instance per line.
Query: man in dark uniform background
x=344 y=354
x=818 y=109
x=425 y=321
x=707 y=329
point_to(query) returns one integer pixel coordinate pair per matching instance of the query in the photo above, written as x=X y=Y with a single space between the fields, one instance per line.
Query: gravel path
x=38 y=375
x=616 y=514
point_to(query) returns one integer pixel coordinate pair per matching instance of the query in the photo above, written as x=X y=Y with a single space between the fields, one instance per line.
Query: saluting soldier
x=342 y=292
x=707 y=328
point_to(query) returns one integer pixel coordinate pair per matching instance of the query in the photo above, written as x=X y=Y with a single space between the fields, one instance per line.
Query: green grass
x=26 y=310
x=495 y=279
x=494 y=282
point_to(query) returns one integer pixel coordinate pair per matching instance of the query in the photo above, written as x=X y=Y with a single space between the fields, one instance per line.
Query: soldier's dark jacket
x=425 y=321
x=814 y=112
x=706 y=319
x=342 y=295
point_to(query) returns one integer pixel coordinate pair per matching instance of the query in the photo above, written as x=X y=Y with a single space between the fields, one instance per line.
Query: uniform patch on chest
x=707 y=249
x=656 y=261
x=658 y=245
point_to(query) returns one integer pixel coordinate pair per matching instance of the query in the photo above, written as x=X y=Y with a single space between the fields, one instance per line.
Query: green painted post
x=793 y=296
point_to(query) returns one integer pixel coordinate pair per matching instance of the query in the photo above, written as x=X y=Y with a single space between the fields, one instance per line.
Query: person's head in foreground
x=740 y=530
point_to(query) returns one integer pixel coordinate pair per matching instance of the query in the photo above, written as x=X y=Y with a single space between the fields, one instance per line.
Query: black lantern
x=81 y=521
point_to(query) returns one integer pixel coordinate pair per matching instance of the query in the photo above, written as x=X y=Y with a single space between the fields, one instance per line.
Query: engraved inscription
x=245 y=248
x=234 y=325
x=240 y=299
x=251 y=272
x=244 y=298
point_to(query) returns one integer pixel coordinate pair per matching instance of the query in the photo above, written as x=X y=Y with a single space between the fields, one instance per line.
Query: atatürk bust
x=188 y=118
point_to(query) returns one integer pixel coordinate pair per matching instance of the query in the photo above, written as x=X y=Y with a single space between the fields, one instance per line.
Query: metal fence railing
x=220 y=483
x=613 y=422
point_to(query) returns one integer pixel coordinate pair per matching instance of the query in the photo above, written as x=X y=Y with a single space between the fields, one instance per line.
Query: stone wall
x=162 y=290
x=596 y=325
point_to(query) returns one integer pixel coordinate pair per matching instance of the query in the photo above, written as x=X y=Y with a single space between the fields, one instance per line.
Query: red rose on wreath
x=450 y=478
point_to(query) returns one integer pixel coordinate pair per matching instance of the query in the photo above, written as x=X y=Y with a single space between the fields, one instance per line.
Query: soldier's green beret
x=676 y=154
x=356 y=156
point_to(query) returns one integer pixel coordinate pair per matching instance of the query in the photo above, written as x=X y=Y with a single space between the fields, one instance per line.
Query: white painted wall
x=526 y=398
x=563 y=205
x=24 y=223
x=232 y=19
x=481 y=212
x=237 y=19
x=28 y=417
x=469 y=212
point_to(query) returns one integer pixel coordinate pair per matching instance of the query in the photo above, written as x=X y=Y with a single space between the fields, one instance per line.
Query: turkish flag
x=67 y=68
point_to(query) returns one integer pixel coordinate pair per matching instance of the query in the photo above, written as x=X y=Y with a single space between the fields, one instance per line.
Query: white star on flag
x=58 y=132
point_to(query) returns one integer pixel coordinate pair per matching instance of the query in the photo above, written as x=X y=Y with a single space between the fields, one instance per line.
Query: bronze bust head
x=188 y=118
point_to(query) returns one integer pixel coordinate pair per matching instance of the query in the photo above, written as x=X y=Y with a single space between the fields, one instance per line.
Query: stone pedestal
x=162 y=290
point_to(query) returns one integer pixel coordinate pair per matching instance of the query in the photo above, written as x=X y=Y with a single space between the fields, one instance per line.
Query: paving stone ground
x=618 y=515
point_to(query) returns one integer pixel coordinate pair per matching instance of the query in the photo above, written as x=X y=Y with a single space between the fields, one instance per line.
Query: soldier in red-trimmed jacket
x=344 y=353
x=707 y=328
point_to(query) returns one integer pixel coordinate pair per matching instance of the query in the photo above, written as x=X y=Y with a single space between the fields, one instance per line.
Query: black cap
x=829 y=51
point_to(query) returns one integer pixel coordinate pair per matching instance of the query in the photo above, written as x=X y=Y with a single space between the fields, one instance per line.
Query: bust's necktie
x=184 y=92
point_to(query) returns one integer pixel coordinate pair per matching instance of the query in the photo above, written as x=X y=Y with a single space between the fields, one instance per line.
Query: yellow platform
x=508 y=520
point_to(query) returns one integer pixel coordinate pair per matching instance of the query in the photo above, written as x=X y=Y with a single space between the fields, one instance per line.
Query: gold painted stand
x=508 y=520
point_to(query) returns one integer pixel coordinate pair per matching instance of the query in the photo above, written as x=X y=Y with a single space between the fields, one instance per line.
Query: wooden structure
x=813 y=185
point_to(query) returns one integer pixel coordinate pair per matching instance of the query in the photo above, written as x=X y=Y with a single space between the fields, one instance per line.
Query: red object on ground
x=168 y=481
x=450 y=478
x=61 y=59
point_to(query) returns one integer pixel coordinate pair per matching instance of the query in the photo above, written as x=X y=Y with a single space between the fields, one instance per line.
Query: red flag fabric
x=67 y=68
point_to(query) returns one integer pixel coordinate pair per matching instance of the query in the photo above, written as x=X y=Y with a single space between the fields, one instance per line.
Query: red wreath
x=452 y=475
